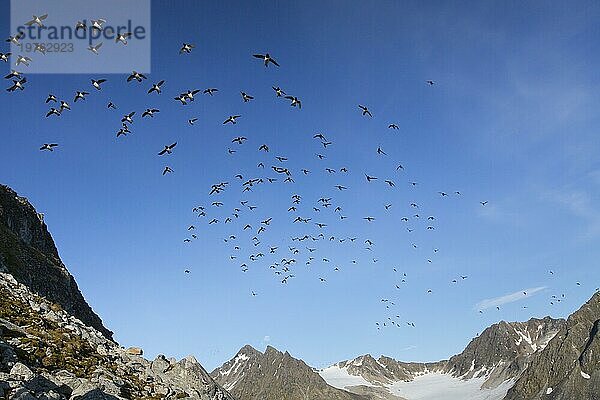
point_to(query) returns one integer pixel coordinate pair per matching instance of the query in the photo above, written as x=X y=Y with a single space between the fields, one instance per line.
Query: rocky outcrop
x=569 y=367
x=28 y=253
x=273 y=375
x=46 y=353
x=503 y=350
x=386 y=370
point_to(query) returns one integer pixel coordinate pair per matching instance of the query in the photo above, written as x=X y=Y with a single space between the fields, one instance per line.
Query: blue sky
x=512 y=120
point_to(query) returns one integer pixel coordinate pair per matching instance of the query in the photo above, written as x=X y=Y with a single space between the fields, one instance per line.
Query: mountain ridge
x=273 y=374
x=29 y=254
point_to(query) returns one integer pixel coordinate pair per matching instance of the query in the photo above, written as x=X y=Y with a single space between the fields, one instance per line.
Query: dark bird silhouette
x=48 y=146
x=266 y=58
x=278 y=91
x=365 y=110
x=168 y=149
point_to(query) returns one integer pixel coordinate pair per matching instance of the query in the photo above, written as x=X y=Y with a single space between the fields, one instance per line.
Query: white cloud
x=508 y=298
x=267 y=339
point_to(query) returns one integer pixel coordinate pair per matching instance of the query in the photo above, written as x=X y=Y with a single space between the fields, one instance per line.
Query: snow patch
x=340 y=377
x=442 y=386
x=425 y=386
x=584 y=375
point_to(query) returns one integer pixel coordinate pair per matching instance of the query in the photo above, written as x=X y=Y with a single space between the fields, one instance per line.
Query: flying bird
x=168 y=149
x=48 y=146
x=150 y=112
x=136 y=76
x=95 y=49
x=231 y=119
x=278 y=91
x=97 y=24
x=295 y=101
x=186 y=48
x=96 y=83
x=122 y=37
x=267 y=59
x=156 y=87
x=365 y=111
x=80 y=96
x=37 y=20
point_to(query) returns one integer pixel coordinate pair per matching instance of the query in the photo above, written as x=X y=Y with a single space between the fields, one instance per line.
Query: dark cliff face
x=569 y=367
x=28 y=253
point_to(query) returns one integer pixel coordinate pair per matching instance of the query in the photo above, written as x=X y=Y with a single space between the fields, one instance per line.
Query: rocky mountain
x=28 y=253
x=491 y=363
x=53 y=346
x=385 y=370
x=503 y=350
x=273 y=375
x=569 y=366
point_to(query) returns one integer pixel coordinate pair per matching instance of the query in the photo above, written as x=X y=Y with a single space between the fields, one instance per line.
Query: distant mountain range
x=53 y=346
x=488 y=366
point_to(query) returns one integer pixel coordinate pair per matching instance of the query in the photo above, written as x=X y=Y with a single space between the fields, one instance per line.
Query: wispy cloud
x=509 y=298
x=407 y=348
x=580 y=204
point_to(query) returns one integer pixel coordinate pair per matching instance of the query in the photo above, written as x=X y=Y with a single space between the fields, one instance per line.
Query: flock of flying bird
x=304 y=214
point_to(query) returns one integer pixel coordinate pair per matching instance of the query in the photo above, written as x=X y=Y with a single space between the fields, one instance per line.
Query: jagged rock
x=135 y=351
x=90 y=392
x=21 y=371
x=160 y=365
x=102 y=350
x=8 y=329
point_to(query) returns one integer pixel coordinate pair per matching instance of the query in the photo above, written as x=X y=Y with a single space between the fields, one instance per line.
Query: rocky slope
x=46 y=353
x=503 y=350
x=273 y=375
x=53 y=346
x=569 y=367
x=27 y=252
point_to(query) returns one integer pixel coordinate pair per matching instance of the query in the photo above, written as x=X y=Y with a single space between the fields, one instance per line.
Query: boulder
x=21 y=371
x=135 y=351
